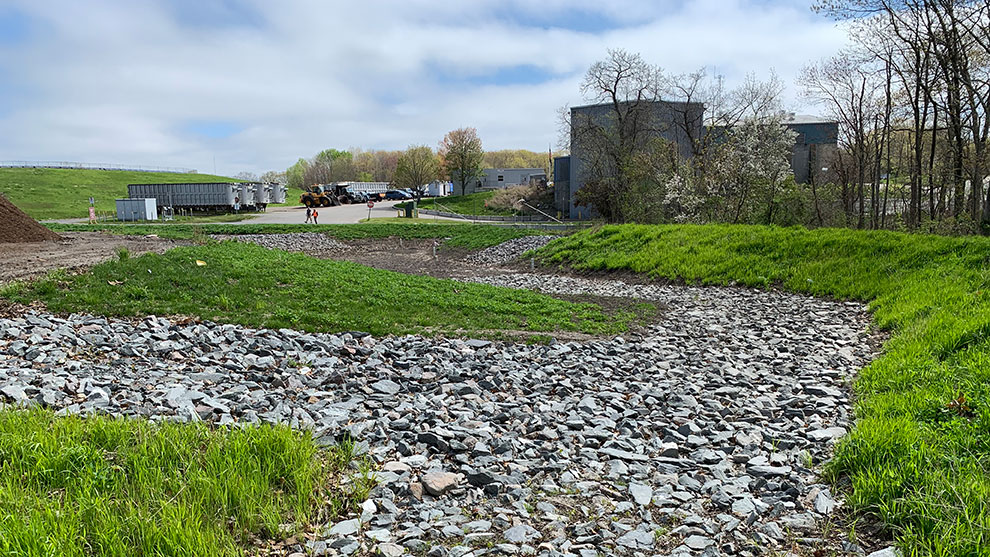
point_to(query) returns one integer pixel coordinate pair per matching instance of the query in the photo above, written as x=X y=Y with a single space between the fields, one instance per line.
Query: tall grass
x=919 y=455
x=101 y=486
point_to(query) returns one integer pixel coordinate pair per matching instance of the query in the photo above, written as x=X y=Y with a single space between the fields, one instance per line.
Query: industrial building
x=681 y=124
x=498 y=178
x=816 y=145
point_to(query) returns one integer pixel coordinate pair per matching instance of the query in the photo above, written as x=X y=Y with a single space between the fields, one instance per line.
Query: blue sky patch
x=215 y=13
x=523 y=74
x=213 y=129
x=15 y=27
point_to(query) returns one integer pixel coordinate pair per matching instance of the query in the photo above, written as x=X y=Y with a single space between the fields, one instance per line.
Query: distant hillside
x=55 y=193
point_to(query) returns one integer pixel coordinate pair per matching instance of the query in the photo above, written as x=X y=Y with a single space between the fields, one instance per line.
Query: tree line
x=459 y=158
x=910 y=95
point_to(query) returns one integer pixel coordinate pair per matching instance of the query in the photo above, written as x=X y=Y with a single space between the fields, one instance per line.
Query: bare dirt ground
x=75 y=250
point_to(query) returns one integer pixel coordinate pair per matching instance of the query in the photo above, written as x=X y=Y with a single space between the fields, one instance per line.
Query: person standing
x=315 y=214
x=309 y=215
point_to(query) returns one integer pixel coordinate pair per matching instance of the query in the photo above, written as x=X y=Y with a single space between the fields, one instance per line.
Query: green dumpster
x=411 y=210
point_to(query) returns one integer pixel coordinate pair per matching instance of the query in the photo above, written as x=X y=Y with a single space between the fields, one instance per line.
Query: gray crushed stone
x=508 y=251
x=693 y=437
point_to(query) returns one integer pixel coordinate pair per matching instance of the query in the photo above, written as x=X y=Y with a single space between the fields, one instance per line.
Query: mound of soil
x=17 y=227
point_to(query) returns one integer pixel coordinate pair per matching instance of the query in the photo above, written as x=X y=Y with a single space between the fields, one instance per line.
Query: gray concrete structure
x=677 y=122
x=815 y=147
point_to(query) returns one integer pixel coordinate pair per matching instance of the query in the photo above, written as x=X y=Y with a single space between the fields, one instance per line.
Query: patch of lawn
x=100 y=486
x=457 y=235
x=61 y=193
x=919 y=455
x=470 y=204
x=254 y=286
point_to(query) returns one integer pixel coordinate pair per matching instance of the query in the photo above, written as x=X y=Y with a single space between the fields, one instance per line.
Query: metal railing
x=94 y=166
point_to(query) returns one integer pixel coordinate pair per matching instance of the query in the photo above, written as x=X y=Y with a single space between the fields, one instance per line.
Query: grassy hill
x=58 y=193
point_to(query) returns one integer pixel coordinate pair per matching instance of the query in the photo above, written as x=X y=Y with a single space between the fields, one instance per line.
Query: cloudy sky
x=256 y=84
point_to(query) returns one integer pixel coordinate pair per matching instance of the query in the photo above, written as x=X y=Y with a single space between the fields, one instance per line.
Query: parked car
x=358 y=196
x=397 y=195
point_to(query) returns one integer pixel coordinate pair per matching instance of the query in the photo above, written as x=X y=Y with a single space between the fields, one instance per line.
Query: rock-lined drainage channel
x=696 y=437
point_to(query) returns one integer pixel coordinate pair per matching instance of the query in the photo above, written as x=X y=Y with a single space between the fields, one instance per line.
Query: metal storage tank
x=278 y=193
x=137 y=209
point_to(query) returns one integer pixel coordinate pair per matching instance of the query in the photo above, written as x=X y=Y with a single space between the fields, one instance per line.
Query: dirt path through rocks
x=76 y=250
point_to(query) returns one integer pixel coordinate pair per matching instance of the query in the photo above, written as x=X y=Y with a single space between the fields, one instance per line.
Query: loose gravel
x=310 y=242
x=508 y=251
x=698 y=436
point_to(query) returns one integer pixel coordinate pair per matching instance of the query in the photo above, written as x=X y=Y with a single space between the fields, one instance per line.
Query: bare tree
x=940 y=51
x=853 y=94
x=417 y=167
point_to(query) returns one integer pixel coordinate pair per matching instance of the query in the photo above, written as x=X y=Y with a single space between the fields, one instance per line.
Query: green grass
x=457 y=235
x=100 y=486
x=254 y=286
x=915 y=459
x=470 y=204
x=58 y=193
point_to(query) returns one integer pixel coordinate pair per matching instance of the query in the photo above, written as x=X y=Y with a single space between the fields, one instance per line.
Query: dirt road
x=343 y=214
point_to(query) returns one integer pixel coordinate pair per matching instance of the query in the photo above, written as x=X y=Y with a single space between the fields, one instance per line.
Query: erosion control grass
x=456 y=235
x=470 y=204
x=258 y=287
x=100 y=486
x=57 y=193
x=919 y=455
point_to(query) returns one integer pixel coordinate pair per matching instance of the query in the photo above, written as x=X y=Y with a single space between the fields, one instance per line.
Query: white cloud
x=107 y=81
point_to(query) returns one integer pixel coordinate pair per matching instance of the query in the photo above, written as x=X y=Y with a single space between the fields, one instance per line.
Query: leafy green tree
x=461 y=155
x=417 y=166
x=296 y=174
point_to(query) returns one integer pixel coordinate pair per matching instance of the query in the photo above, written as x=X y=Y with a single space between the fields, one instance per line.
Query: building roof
x=513 y=169
x=631 y=101
x=806 y=119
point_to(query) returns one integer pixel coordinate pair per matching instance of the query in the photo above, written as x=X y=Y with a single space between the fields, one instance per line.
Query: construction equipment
x=317 y=196
x=320 y=195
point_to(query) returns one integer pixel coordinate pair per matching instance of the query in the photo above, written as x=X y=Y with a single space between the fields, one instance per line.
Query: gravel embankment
x=509 y=250
x=309 y=242
x=693 y=438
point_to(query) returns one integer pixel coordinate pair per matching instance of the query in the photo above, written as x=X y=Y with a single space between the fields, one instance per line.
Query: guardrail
x=94 y=166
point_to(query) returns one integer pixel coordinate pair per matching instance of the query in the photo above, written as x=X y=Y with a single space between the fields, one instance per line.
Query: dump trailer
x=213 y=196
x=203 y=196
